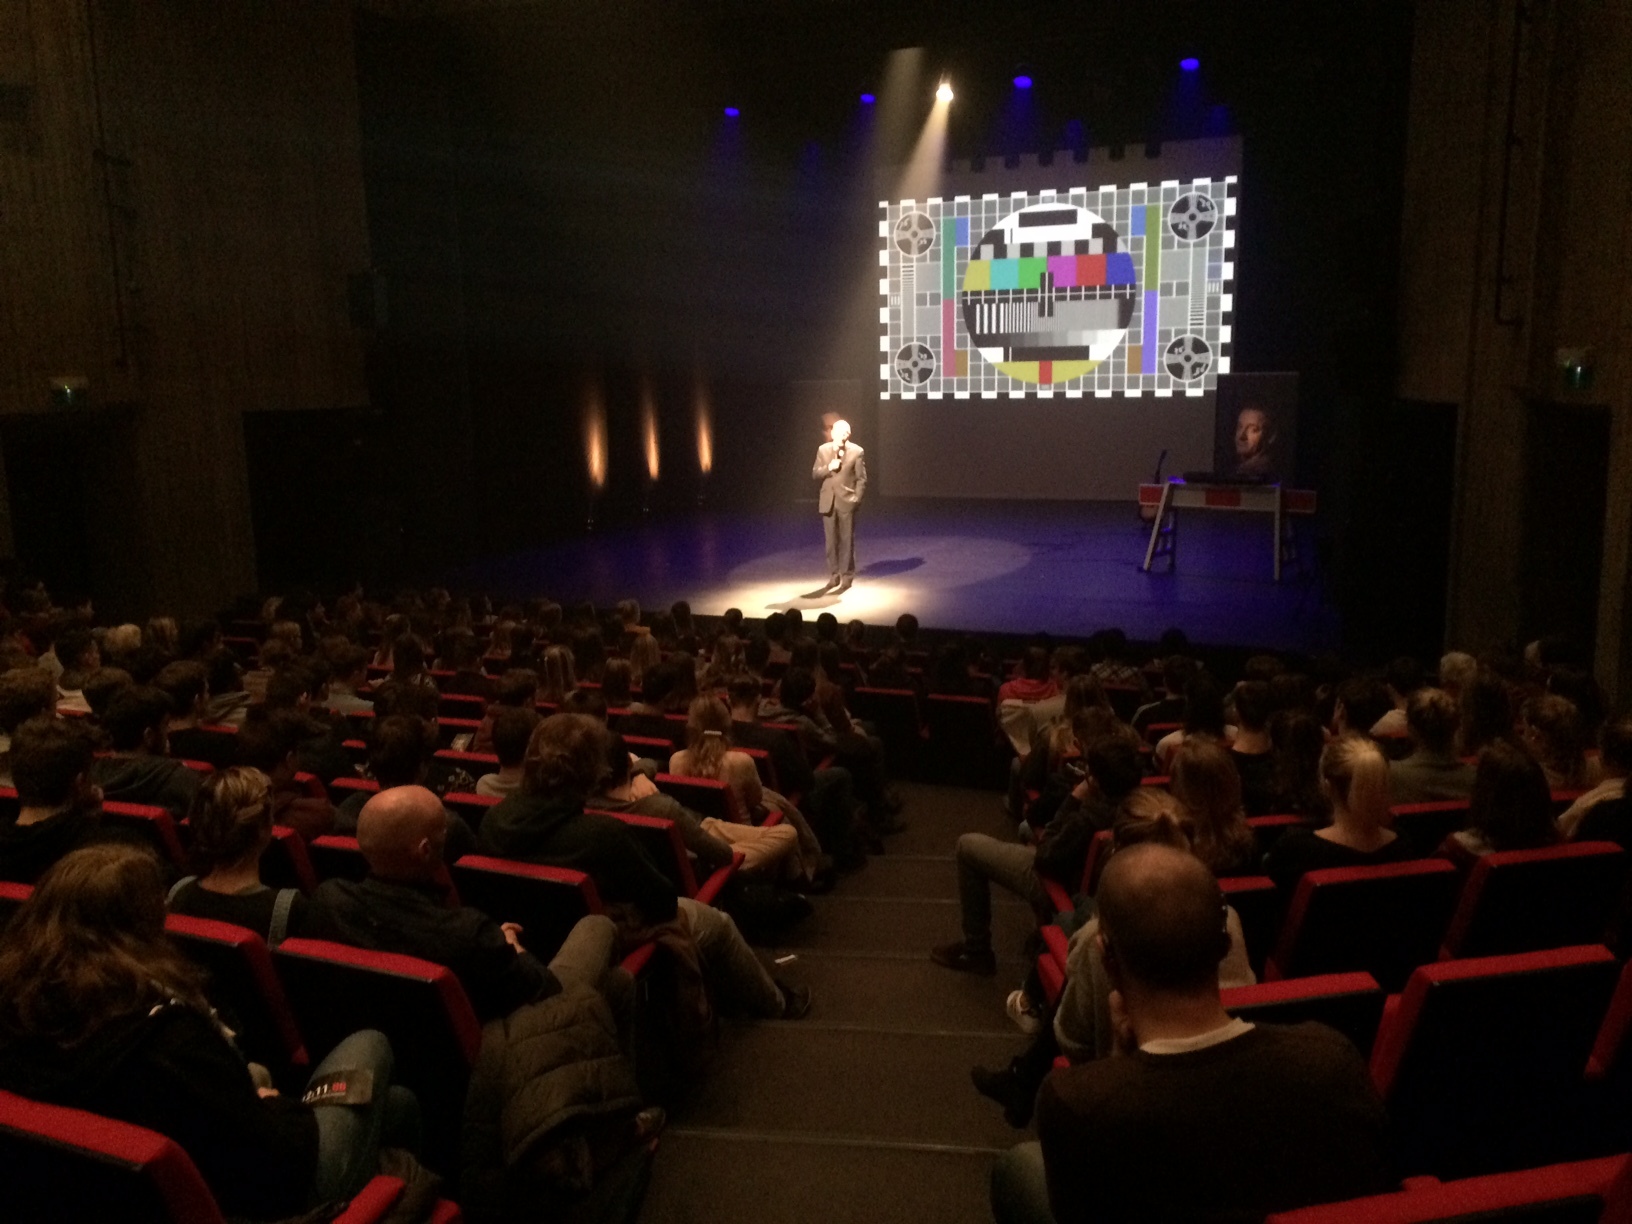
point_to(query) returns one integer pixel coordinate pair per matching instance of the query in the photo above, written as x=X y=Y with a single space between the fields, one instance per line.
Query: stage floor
x=1009 y=567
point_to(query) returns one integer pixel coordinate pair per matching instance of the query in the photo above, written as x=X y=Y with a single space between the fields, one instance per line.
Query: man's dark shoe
x=795 y=1000
x=964 y=959
x=1004 y=1088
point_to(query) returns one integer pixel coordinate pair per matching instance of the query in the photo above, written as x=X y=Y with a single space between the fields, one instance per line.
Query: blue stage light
x=732 y=112
x=1189 y=63
x=1022 y=81
x=868 y=99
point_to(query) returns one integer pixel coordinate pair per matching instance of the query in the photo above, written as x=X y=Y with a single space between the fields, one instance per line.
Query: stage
x=1066 y=568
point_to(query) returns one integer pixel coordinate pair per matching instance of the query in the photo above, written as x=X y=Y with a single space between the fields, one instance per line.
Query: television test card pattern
x=1111 y=291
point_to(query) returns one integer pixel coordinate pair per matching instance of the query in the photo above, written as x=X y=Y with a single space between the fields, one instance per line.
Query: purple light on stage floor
x=1022 y=81
x=868 y=99
x=1190 y=63
x=732 y=112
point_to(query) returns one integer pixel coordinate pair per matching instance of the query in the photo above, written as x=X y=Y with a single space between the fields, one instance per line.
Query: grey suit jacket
x=841 y=490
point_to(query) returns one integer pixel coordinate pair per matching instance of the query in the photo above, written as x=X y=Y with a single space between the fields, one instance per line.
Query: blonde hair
x=558 y=677
x=1355 y=770
x=122 y=640
x=707 y=723
x=231 y=818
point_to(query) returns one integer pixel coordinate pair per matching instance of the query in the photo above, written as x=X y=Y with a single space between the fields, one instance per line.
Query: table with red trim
x=1179 y=494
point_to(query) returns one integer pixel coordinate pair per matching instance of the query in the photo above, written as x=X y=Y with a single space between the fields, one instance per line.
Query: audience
x=231 y=823
x=1354 y=774
x=1510 y=807
x=1144 y=1137
x=1432 y=771
x=1252 y=750
x=25 y=693
x=1615 y=763
x=270 y=745
x=100 y=1011
x=546 y=823
x=1550 y=727
x=139 y=768
x=59 y=807
x=400 y=907
x=1110 y=771
x=1208 y=788
x=512 y=728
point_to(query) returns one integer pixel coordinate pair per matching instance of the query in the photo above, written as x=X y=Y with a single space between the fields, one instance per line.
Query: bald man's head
x=1161 y=915
x=401 y=832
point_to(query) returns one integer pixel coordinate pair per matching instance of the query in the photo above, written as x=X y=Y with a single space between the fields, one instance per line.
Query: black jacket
x=559 y=833
x=28 y=851
x=411 y=920
x=173 y=1071
x=161 y=781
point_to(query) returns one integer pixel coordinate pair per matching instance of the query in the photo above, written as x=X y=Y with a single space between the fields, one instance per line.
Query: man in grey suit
x=842 y=468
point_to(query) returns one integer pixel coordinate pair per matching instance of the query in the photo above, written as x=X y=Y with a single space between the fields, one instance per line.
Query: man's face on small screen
x=840 y=431
x=1250 y=428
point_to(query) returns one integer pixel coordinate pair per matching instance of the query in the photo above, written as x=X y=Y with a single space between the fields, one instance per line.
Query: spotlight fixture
x=867 y=99
x=944 y=93
x=1022 y=81
x=732 y=112
x=1190 y=63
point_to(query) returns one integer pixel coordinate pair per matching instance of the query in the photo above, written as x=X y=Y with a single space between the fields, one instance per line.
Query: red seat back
x=155 y=825
x=663 y=844
x=1526 y=900
x=1425 y=825
x=286 y=864
x=66 y=1164
x=1352 y=1003
x=1556 y=1194
x=244 y=987
x=1482 y=1061
x=1257 y=903
x=336 y=990
x=966 y=745
x=1384 y=921
x=546 y=901
x=705 y=796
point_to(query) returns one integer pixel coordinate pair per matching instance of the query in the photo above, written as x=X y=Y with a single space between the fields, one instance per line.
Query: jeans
x=585 y=959
x=982 y=859
x=1020 y=1188
x=349 y=1136
x=734 y=974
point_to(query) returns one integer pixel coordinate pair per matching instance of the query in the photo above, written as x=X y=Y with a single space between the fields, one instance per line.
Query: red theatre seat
x=335 y=990
x=245 y=988
x=1481 y=1062
x=1425 y=825
x=1257 y=903
x=154 y=824
x=546 y=901
x=1352 y=1003
x=1527 y=900
x=62 y=1164
x=1384 y=921
x=966 y=746
x=286 y=864
x=1577 y=1193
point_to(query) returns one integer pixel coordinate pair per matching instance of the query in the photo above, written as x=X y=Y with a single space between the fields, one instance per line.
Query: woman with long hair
x=557 y=677
x=617 y=679
x=98 y=1010
x=708 y=754
x=1354 y=777
x=1206 y=783
x=644 y=654
x=231 y=820
x=1511 y=807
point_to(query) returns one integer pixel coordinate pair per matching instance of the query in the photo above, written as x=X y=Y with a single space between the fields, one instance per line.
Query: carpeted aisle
x=863 y=1111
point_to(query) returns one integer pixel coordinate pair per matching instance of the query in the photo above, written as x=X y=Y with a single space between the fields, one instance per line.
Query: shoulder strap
x=280 y=916
x=176 y=888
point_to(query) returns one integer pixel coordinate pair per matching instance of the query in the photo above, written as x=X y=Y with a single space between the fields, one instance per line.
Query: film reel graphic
x=1187 y=358
x=914 y=234
x=1192 y=216
x=914 y=363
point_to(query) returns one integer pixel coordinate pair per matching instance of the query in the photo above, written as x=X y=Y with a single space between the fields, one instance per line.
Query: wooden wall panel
x=180 y=209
